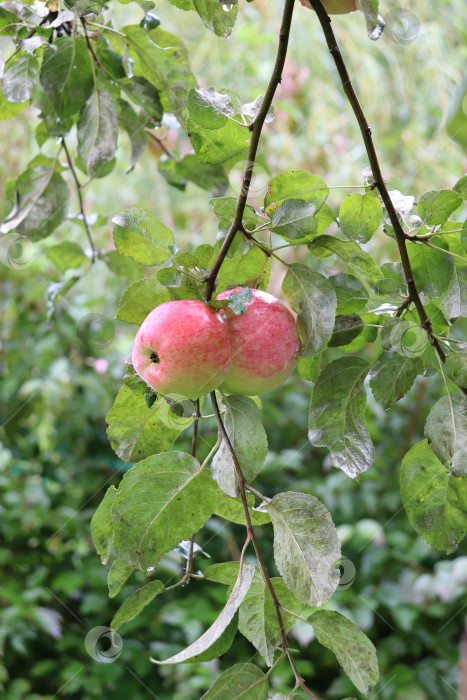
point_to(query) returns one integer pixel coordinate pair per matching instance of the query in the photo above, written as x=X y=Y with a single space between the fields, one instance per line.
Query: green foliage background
x=56 y=461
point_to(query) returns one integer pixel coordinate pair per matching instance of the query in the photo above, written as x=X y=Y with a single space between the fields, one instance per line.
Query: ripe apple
x=265 y=344
x=335 y=7
x=183 y=349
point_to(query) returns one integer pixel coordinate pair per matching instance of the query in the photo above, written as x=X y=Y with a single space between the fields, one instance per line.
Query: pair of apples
x=185 y=349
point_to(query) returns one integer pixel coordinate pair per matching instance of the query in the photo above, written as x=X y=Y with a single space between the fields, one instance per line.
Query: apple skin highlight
x=265 y=345
x=183 y=349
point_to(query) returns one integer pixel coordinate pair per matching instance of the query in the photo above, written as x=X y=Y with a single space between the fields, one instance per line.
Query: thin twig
x=160 y=143
x=194 y=439
x=80 y=198
x=255 y=127
x=258 y=244
x=195 y=429
x=89 y=45
x=403 y=307
x=251 y=534
x=376 y=170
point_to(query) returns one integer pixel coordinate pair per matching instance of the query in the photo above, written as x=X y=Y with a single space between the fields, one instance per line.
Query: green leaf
x=220 y=646
x=122 y=266
x=350 y=252
x=461 y=186
x=20 y=77
x=438 y=321
x=136 y=431
x=150 y=397
x=161 y=501
x=240 y=681
x=184 y=285
x=350 y=293
x=232 y=509
x=454 y=301
x=446 y=430
x=85 y=7
x=118 y=575
x=109 y=58
x=42 y=201
x=346 y=329
x=360 y=216
x=188 y=169
x=433 y=270
x=436 y=206
x=306 y=546
x=217 y=19
x=143 y=237
x=161 y=58
x=8 y=110
x=456 y=365
x=456 y=125
x=337 y=415
x=146 y=97
x=224 y=208
x=308 y=368
x=368 y=333
x=373 y=21
x=238 y=301
x=243 y=426
x=298 y=184
x=185 y=5
x=257 y=619
x=354 y=651
x=325 y=217
x=8 y=22
x=101 y=525
x=311 y=295
x=66 y=74
x=226 y=572
x=294 y=220
x=212 y=109
x=97 y=135
x=394 y=282
x=133 y=605
x=66 y=255
x=134 y=382
x=128 y=120
x=150 y=21
x=392 y=377
x=434 y=499
x=203 y=643
x=141 y=298
x=218 y=145
x=250 y=268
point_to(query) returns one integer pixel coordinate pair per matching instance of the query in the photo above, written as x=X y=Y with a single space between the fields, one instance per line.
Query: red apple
x=265 y=344
x=183 y=349
x=335 y=7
